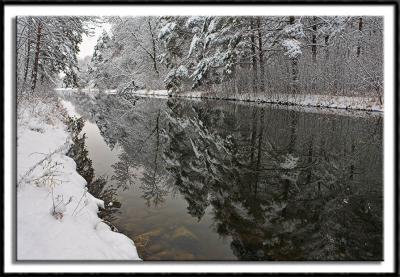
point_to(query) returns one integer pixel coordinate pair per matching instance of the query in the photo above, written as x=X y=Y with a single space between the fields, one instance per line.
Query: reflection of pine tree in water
x=242 y=214
x=271 y=209
x=127 y=173
x=123 y=172
x=140 y=157
x=96 y=186
x=78 y=150
x=114 y=115
x=181 y=155
x=153 y=187
x=117 y=118
x=102 y=189
x=197 y=157
x=278 y=192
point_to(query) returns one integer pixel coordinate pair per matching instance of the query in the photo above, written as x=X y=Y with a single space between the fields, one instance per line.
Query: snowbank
x=326 y=101
x=84 y=90
x=56 y=216
x=161 y=93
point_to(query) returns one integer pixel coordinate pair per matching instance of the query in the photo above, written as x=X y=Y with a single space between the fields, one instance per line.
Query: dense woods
x=47 y=46
x=313 y=55
x=262 y=55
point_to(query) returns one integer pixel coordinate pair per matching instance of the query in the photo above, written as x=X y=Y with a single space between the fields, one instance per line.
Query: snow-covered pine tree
x=97 y=67
x=47 y=47
x=200 y=49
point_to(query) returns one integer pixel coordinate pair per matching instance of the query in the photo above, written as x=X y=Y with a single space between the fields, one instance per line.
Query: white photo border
x=388 y=11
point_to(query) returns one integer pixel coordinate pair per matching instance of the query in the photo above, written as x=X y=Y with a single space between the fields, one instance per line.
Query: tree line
x=331 y=55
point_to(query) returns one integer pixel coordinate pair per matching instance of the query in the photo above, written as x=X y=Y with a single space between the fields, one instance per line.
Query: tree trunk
x=360 y=26
x=36 y=63
x=253 y=136
x=27 y=61
x=295 y=68
x=259 y=152
x=154 y=56
x=314 y=51
x=293 y=131
x=326 y=47
x=309 y=160
x=353 y=147
x=314 y=40
x=253 y=57
x=260 y=56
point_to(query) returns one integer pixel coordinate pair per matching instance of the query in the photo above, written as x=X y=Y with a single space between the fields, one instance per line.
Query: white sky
x=88 y=42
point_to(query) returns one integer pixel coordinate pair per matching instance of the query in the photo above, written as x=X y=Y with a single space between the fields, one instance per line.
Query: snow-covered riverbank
x=56 y=216
x=371 y=104
x=326 y=101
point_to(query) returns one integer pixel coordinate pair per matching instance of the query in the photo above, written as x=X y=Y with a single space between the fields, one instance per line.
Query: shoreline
x=57 y=217
x=341 y=103
x=306 y=101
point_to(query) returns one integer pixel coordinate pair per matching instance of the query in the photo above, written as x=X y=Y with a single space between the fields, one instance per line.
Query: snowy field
x=57 y=218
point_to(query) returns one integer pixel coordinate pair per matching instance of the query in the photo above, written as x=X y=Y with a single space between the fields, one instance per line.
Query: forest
x=308 y=55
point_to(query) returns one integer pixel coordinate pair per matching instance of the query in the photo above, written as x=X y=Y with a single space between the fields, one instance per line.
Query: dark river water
x=219 y=180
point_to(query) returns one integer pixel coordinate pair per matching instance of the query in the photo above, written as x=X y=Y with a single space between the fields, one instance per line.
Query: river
x=221 y=180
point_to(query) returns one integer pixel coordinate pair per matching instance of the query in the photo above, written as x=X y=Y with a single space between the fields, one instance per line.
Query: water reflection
x=261 y=182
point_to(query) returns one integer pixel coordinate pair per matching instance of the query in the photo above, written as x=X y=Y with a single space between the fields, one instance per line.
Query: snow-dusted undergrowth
x=56 y=216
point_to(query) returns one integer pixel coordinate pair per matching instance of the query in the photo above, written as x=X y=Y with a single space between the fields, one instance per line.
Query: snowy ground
x=56 y=217
x=327 y=101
